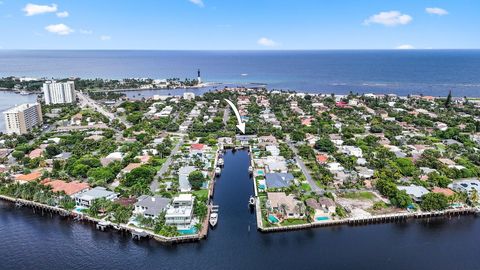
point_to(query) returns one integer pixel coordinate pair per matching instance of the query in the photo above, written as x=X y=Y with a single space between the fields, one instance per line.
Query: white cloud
x=405 y=47
x=63 y=14
x=85 y=32
x=197 y=2
x=59 y=29
x=33 y=9
x=389 y=18
x=105 y=38
x=436 y=11
x=266 y=42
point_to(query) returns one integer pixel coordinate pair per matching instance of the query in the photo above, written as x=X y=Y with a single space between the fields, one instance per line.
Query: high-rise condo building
x=59 y=92
x=23 y=118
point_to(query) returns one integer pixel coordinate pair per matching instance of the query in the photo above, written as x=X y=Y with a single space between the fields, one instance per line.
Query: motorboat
x=251 y=201
x=218 y=171
x=250 y=169
x=213 y=219
x=220 y=162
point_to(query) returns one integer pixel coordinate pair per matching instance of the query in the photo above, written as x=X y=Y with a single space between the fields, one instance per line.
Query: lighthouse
x=199 y=79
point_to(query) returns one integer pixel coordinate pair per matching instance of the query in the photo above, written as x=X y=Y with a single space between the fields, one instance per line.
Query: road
x=306 y=172
x=154 y=186
x=226 y=114
x=86 y=101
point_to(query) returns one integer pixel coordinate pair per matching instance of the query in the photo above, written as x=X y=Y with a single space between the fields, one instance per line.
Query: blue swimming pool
x=273 y=219
x=322 y=218
x=261 y=186
x=260 y=172
x=192 y=230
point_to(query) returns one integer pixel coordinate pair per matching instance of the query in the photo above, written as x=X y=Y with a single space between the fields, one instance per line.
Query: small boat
x=220 y=162
x=218 y=171
x=250 y=169
x=213 y=219
x=251 y=201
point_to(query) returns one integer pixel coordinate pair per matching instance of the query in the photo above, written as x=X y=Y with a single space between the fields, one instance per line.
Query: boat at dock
x=220 y=162
x=251 y=201
x=218 y=171
x=213 y=216
x=250 y=169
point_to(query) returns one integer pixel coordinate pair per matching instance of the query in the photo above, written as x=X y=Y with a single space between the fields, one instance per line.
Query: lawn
x=288 y=222
x=361 y=195
x=200 y=193
x=306 y=187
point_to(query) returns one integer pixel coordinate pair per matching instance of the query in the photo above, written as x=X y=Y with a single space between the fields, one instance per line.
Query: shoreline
x=136 y=233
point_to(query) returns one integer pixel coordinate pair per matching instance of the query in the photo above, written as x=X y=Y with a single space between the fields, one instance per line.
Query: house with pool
x=180 y=212
x=285 y=206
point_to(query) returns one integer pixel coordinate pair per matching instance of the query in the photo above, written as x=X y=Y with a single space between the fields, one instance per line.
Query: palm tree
x=474 y=197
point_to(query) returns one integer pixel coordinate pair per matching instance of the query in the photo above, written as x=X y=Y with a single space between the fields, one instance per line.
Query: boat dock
x=104 y=225
x=368 y=220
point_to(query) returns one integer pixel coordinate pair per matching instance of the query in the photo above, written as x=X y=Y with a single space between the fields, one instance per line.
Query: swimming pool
x=260 y=172
x=322 y=218
x=192 y=230
x=261 y=186
x=273 y=219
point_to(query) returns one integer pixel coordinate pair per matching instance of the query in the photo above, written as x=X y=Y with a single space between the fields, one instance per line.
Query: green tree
x=196 y=179
x=325 y=144
x=434 y=201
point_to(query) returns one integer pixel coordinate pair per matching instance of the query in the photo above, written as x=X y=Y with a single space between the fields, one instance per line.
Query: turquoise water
x=192 y=230
x=261 y=186
x=273 y=219
x=260 y=172
x=322 y=218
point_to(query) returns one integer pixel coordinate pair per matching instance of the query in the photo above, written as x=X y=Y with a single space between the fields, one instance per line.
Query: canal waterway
x=32 y=241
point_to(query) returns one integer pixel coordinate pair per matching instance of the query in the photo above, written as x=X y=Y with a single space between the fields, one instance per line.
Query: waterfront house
x=151 y=206
x=86 y=198
x=466 y=185
x=328 y=204
x=285 y=204
x=25 y=178
x=445 y=191
x=183 y=174
x=278 y=180
x=70 y=188
x=180 y=212
x=415 y=192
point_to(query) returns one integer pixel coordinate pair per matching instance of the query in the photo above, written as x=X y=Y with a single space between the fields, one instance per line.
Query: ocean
x=428 y=72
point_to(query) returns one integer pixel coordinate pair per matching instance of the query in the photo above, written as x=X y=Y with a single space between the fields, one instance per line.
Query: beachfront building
x=23 y=118
x=151 y=206
x=59 y=92
x=86 y=198
x=180 y=212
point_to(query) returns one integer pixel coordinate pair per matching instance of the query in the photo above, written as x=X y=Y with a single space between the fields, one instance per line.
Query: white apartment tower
x=23 y=118
x=59 y=92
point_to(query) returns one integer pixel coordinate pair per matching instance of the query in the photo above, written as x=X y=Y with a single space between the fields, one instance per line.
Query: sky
x=239 y=24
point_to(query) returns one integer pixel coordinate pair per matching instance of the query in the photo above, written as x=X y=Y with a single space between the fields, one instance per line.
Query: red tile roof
x=197 y=146
x=69 y=188
x=29 y=177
